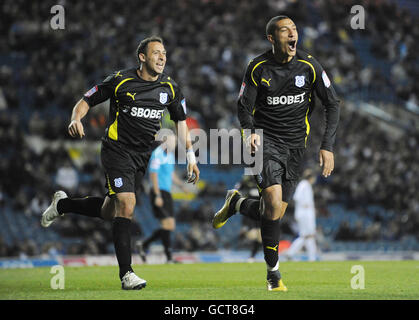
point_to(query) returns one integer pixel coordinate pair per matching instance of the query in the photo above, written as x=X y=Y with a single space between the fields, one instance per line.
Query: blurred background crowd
x=371 y=198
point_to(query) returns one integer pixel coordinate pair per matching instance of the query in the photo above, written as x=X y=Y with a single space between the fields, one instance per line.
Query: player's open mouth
x=292 y=45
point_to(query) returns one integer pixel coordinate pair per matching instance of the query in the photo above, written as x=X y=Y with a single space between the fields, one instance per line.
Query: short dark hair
x=271 y=25
x=142 y=47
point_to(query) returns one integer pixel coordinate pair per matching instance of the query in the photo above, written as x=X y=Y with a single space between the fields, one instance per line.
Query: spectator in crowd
x=67 y=178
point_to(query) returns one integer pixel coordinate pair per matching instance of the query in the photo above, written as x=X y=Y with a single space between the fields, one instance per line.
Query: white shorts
x=306 y=223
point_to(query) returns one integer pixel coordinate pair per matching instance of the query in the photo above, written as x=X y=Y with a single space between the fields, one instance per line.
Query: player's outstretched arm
x=185 y=140
x=75 y=128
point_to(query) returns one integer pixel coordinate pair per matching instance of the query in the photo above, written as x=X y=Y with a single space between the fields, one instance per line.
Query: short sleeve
x=177 y=108
x=100 y=92
x=154 y=162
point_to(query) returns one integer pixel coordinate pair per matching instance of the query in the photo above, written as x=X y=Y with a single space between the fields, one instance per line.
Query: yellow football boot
x=274 y=282
x=221 y=217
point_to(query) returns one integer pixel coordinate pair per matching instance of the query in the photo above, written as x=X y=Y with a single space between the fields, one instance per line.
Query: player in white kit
x=305 y=216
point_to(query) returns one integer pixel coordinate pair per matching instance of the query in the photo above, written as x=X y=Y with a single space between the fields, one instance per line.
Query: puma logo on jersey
x=132 y=95
x=299 y=98
x=146 y=113
x=272 y=248
x=118 y=74
x=267 y=81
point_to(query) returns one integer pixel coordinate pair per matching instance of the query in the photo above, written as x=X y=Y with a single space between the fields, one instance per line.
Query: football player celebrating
x=277 y=97
x=138 y=97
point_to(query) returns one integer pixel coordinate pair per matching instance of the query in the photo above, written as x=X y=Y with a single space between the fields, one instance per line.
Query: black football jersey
x=278 y=98
x=136 y=106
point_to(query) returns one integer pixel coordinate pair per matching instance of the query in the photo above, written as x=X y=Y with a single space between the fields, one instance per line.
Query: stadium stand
x=369 y=203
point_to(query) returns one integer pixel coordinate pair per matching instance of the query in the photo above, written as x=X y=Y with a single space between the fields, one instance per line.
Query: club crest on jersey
x=118 y=182
x=163 y=97
x=299 y=81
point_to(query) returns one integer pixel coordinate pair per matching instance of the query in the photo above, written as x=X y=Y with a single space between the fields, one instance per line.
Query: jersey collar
x=272 y=58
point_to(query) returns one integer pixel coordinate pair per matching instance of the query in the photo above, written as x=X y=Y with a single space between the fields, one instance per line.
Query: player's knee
x=273 y=195
x=125 y=208
x=126 y=212
x=283 y=209
x=275 y=204
x=271 y=215
x=273 y=207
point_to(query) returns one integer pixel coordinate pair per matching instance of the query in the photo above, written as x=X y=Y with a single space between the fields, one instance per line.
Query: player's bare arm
x=185 y=140
x=75 y=128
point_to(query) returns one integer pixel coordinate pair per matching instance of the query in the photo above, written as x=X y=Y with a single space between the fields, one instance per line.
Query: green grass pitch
x=219 y=281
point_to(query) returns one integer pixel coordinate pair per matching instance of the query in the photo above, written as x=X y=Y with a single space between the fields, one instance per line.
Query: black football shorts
x=166 y=211
x=123 y=167
x=281 y=165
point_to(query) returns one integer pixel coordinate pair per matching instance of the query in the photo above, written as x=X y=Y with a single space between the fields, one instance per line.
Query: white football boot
x=51 y=213
x=132 y=282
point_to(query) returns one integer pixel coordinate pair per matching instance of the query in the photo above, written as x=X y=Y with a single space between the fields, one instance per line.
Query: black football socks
x=232 y=206
x=270 y=230
x=155 y=236
x=165 y=238
x=250 y=208
x=164 y=235
x=121 y=230
x=88 y=206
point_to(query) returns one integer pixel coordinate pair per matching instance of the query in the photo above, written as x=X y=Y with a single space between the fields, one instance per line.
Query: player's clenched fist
x=75 y=129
